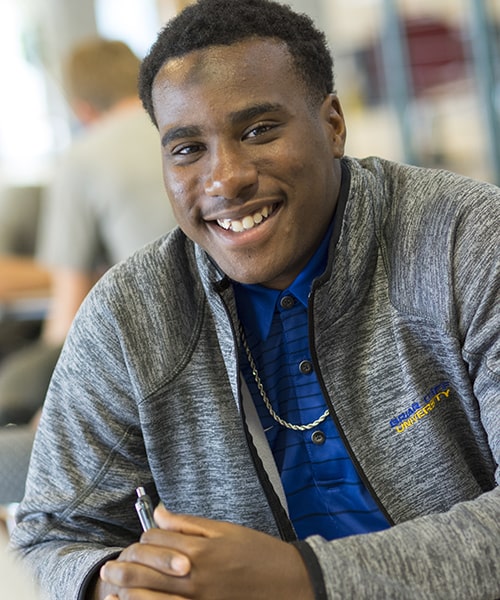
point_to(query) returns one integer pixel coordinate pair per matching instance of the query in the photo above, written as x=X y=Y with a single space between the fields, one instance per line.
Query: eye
x=258 y=130
x=186 y=149
x=185 y=153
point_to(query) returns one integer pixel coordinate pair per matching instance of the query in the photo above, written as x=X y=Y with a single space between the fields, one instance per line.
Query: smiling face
x=250 y=162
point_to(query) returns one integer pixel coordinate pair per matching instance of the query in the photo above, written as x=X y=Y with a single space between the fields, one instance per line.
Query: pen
x=144 y=508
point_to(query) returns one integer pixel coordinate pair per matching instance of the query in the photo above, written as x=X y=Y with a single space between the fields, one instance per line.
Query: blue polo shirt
x=324 y=491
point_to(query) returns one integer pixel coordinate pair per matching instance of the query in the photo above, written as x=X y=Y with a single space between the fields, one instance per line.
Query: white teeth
x=237 y=226
x=247 y=222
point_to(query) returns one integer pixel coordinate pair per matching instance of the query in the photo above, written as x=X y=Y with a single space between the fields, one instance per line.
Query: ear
x=333 y=116
x=85 y=112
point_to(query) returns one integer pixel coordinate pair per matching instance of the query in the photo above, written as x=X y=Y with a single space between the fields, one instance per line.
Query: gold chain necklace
x=266 y=400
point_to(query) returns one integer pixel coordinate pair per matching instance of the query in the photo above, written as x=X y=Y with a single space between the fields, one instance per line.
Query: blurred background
x=419 y=81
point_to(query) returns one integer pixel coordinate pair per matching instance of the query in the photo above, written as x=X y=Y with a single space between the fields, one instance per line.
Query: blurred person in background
x=106 y=200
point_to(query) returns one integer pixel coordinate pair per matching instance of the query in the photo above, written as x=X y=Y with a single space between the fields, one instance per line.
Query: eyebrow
x=251 y=112
x=239 y=116
x=180 y=132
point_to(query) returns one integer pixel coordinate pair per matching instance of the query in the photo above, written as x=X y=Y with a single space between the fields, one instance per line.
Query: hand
x=194 y=558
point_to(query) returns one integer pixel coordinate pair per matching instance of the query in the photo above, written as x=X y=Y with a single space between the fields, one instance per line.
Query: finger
x=181 y=547
x=162 y=556
x=151 y=596
x=138 y=579
x=186 y=524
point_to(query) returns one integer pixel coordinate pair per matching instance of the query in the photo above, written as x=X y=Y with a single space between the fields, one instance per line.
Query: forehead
x=252 y=70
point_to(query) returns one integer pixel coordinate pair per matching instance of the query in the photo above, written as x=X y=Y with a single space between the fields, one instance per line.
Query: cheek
x=183 y=194
x=297 y=159
x=177 y=191
x=178 y=185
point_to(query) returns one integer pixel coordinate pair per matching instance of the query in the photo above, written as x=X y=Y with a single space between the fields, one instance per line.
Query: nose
x=232 y=174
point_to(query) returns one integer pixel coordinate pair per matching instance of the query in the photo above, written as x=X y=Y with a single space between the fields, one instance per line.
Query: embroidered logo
x=420 y=410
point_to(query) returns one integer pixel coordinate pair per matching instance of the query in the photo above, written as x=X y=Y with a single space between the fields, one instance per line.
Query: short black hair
x=225 y=22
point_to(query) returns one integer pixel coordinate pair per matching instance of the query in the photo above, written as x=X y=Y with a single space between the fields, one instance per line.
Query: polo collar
x=257 y=303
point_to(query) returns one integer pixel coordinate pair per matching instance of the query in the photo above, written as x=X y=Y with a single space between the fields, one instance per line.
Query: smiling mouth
x=248 y=222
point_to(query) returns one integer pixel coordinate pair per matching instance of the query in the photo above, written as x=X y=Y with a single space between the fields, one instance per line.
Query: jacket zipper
x=285 y=527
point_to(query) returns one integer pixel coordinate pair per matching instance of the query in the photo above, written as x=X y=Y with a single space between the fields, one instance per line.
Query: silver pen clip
x=144 y=508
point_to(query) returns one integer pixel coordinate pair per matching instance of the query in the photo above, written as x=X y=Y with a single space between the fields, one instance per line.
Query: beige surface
x=15 y=583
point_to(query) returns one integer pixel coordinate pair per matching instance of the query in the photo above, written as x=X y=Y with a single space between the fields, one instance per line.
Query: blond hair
x=101 y=72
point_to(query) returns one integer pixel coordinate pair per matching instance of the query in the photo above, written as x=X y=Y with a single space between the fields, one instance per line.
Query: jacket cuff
x=313 y=568
x=92 y=575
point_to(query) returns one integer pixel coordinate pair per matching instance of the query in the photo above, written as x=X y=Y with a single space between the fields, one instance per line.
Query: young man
x=307 y=367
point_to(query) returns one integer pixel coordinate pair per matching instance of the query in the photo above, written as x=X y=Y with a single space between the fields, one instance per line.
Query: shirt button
x=287 y=302
x=305 y=367
x=318 y=438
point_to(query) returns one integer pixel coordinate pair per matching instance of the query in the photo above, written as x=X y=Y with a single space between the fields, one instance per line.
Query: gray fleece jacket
x=404 y=336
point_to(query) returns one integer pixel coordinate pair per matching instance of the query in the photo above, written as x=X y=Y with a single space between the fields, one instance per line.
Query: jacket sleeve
x=76 y=512
x=454 y=555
